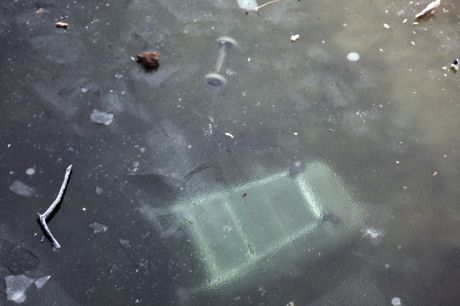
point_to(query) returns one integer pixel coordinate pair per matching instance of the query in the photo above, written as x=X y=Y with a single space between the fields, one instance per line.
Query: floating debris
x=30 y=171
x=16 y=287
x=97 y=228
x=386 y=25
x=429 y=9
x=62 y=25
x=101 y=117
x=353 y=56
x=295 y=37
x=455 y=65
x=22 y=189
x=149 y=59
x=50 y=210
x=396 y=301
x=40 y=282
x=229 y=135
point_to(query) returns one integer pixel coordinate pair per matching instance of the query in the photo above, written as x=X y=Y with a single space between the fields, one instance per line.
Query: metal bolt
x=215 y=78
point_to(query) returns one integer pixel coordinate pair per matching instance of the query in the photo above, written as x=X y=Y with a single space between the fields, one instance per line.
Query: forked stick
x=42 y=217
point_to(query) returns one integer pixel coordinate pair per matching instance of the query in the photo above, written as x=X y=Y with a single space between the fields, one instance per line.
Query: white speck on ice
x=353 y=56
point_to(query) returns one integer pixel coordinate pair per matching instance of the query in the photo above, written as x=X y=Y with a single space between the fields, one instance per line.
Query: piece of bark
x=149 y=59
x=62 y=25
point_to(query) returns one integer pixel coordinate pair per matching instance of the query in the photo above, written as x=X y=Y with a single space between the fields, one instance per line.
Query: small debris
x=244 y=195
x=396 y=301
x=229 y=135
x=455 y=65
x=101 y=117
x=435 y=173
x=42 y=217
x=374 y=235
x=124 y=243
x=386 y=26
x=30 y=171
x=353 y=56
x=97 y=228
x=429 y=9
x=40 y=11
x=295 y=37
x=62 y=25
x=149 y=59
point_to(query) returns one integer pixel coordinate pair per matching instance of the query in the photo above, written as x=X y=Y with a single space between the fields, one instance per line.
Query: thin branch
x=45 y=215
x=265 y=4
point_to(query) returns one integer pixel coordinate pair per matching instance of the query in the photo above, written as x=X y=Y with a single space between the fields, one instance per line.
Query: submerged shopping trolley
x=266 y=223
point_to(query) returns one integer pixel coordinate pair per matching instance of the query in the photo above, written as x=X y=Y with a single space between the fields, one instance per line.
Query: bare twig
x=42 y=217
x=265 y=4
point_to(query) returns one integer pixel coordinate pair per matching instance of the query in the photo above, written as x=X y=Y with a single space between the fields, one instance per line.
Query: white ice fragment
x=97 y=227
x=353 y=56
x=30 y=171
x=16 y=287
x=248 y=5
x=22 y=189
x=373 y=234
x=295 y=37
x=396 y=301
x=40 y=282
x=101 y=117
x=230 y=135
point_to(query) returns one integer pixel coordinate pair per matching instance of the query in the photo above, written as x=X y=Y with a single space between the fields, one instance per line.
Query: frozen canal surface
x=363 y=91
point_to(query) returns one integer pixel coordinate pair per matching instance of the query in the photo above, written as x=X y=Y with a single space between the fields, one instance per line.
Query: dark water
x=386 y=125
